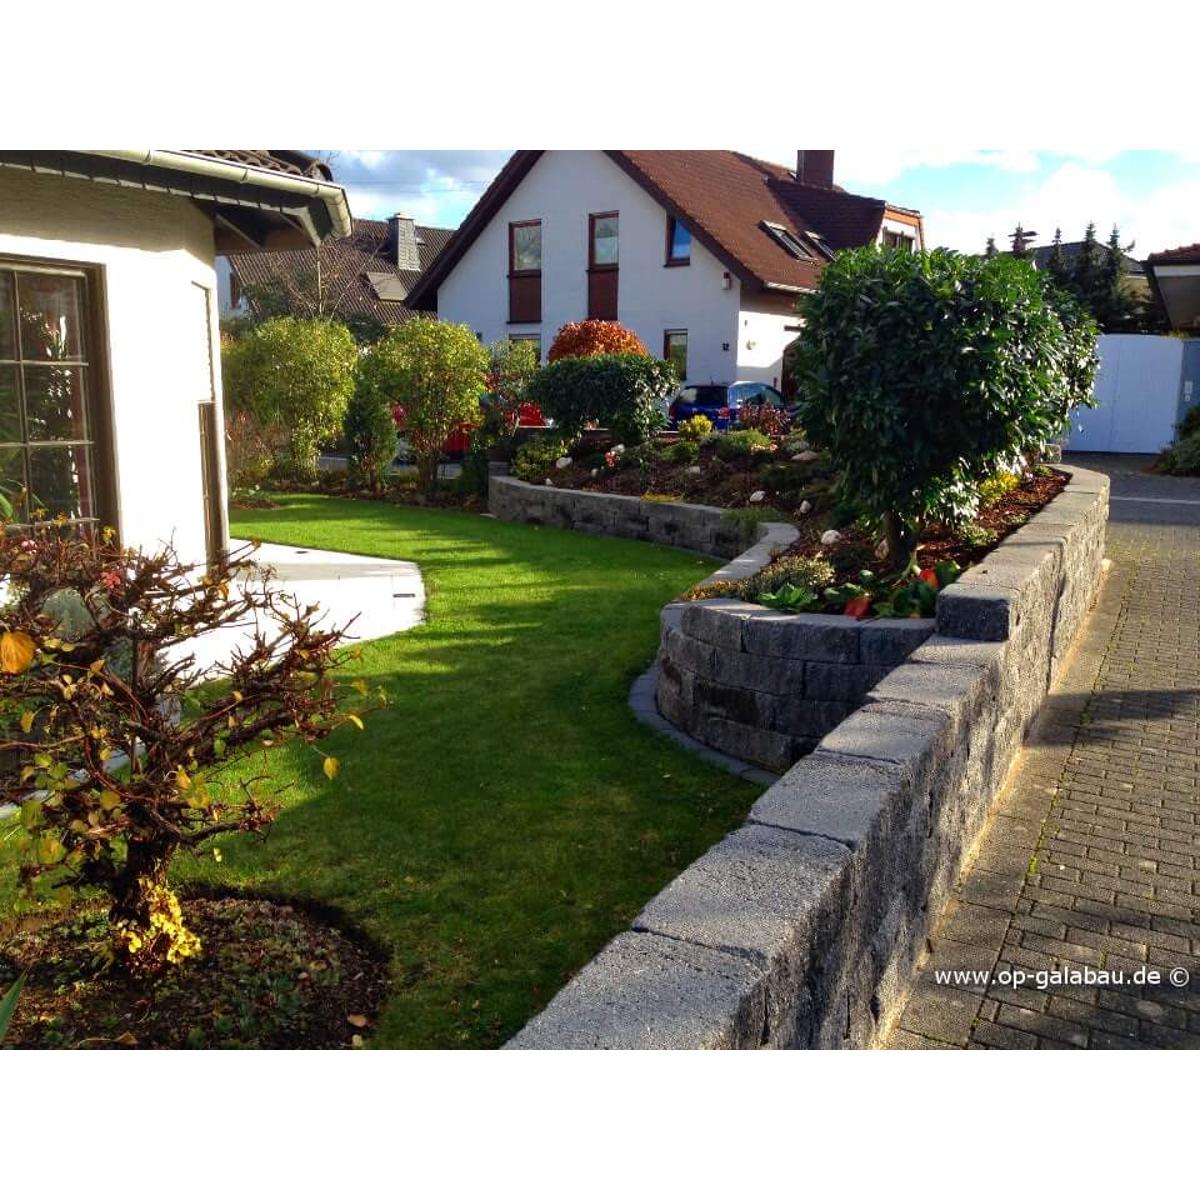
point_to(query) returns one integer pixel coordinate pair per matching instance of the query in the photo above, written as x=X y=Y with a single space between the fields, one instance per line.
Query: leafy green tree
x=922 y=374
x=432 y=373
x=295 y=377
x=369 y=432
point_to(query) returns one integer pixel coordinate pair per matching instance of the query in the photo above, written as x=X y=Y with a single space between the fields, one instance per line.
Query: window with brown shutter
x=524 y=272
x=603 y=265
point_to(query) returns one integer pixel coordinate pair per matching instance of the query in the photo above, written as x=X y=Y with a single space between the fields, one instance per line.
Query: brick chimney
x=403 y=233
x=815 y=167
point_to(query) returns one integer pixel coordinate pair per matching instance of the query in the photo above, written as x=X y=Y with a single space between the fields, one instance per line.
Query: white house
x=110 y=386
x=703 y=253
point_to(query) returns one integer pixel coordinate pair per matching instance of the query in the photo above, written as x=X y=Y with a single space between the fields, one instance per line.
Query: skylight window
x=787 y=239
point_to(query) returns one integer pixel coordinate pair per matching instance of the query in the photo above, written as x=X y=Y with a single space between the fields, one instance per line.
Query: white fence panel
x=1138 y=389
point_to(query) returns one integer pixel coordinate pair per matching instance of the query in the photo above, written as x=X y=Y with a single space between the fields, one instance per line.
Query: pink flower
x=110 y=579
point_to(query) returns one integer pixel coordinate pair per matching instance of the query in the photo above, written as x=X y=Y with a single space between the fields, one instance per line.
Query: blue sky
x=966 y=196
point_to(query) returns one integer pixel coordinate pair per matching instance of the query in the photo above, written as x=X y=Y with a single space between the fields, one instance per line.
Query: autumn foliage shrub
x=109 y=737
x=586 y=339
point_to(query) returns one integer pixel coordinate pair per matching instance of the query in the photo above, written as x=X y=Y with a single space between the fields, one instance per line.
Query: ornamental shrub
x=695 y=429
x=95 y=664
x=586 y=339
x=295 y=378
x=922 y=374
x=534 y=461
x=742 y=443
x=370 y=436
x=432 y=374
x=625 y=393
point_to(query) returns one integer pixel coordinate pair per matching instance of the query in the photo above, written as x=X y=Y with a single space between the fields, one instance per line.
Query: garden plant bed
x=270 y=976
x=938 y=543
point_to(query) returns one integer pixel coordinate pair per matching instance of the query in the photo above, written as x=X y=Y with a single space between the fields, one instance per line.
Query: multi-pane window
x=603 y=266
x=675 y=350
x=899 y=241
x=48 y=434
x=679 y=243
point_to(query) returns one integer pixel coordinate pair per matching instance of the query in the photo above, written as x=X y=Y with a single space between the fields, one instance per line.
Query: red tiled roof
x=345 y=264
x=723 y=197
x=1182 y=255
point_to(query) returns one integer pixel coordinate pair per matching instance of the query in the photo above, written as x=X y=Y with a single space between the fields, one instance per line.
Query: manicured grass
x=507 y=814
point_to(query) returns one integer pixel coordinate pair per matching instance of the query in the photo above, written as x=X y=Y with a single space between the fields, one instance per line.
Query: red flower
x=929 y=576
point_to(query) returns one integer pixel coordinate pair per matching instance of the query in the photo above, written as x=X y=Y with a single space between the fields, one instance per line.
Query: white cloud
x=1069 y=198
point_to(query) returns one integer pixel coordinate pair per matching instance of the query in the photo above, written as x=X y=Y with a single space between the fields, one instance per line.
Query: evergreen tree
x=1086 y=268
x=1021 y=243
x=1056 y=264
x=991 y=250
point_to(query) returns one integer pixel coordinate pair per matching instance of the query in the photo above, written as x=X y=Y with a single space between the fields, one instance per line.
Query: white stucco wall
x=767 y=323
x=561 y=189
x=155 y=250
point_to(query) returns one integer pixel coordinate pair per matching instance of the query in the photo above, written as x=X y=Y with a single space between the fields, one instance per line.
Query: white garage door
x=1138 y=390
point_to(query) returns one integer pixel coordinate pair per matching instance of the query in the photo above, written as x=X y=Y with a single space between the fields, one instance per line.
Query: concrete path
x=379 y=596
x=1087 y=880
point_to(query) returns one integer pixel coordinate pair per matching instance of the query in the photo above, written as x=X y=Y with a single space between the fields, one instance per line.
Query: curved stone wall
x=802 y=928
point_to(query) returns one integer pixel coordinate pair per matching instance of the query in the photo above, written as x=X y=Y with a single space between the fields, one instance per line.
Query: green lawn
x=507 y=814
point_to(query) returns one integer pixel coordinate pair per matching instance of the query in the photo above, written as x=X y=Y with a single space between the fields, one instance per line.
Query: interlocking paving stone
x=1092 y=858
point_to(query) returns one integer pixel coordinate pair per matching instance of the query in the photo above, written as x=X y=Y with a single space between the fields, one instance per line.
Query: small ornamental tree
x=585 y=339
x=370 y=436
x=295 y=376
x=625 y=393
x=922 y=374
x=514 y=363
x=432 y=373
x=106 y=742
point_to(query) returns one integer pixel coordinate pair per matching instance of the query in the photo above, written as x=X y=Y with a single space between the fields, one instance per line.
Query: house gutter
x=332 y=195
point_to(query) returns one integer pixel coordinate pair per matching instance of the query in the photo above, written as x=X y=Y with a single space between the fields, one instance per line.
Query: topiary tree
x=109 y=737
x=625 y=393
x=369 y=432
x=922 y=374
x=293 y=376
x=432 y=373
x=585 y=339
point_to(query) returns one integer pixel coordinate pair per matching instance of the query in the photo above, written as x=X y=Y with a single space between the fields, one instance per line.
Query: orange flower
x=929 y=576
x=858 y=606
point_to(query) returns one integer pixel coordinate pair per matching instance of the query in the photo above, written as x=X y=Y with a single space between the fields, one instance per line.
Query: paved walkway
x=1092 y=860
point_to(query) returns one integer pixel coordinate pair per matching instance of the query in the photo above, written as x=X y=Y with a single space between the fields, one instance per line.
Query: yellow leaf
x=360 y=686
x=109 y=799
x=26 y=721
x=96 y=667
x=16 y=652
x=216 y=854
x=183 y=779
x=357 y=1020
x=355 y=719
x=331 y=766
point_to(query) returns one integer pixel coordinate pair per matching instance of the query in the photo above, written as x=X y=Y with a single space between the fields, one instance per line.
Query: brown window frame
x=667 y=335
x=105 y=488
x=593 y=265
x=520 y=281
x=672 y=221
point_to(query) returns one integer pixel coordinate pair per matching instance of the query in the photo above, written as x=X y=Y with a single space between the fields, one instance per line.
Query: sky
x=965 y=196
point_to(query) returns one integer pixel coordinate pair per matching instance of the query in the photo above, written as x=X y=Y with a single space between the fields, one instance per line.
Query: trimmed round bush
x=624 y=393
x=586 y=339
x=923 y=374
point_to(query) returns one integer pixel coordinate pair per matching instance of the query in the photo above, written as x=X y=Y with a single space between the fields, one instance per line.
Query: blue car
x=722 y=402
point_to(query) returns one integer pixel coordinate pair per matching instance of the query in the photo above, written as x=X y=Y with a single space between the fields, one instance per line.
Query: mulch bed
x=270 y=976
x=856 y=549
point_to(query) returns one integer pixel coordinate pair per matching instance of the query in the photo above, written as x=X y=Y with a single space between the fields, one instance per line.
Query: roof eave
x=318 y=207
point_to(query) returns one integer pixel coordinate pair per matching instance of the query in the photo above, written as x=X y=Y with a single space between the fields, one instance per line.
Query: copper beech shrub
x=107 y=735
x=586 y=339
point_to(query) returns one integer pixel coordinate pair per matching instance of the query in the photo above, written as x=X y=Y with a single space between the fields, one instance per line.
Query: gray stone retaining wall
x=802 y=928
x=698 y=527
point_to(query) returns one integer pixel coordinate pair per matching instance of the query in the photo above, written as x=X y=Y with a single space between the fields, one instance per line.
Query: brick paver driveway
x=1092 y=861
